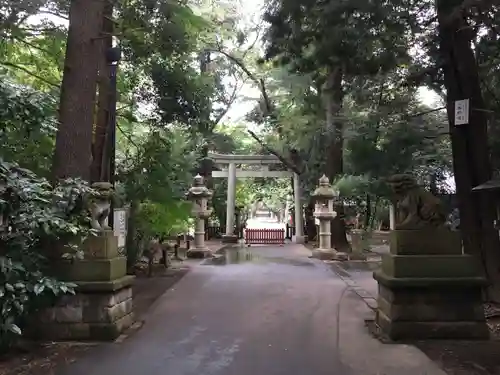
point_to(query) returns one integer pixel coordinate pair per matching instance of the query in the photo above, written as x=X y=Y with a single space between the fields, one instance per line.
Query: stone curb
x=365 y=296
x=131 y=330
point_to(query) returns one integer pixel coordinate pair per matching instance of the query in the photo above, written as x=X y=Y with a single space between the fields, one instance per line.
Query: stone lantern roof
x=324 y=190
x=198 y=190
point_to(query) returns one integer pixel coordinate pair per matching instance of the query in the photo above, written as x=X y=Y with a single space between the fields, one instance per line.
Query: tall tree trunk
x=333 y=96
x=100 y=154
x=73 y=151
x=469 y=142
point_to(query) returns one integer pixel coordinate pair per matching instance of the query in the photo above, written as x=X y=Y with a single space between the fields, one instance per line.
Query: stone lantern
x=324 y=212
x=199 y=194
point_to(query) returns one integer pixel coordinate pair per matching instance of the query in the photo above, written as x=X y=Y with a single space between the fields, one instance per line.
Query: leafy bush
x=37 y=223
x=28 y=124
x=154 y=219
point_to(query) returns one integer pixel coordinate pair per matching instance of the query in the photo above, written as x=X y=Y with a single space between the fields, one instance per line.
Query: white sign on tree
x=462 y=112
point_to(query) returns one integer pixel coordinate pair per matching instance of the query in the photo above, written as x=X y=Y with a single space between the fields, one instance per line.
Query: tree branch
x=33 y=45
x=268 y=104
x=258 y=81
x=18 y=67
x=290 y=165
x=229 y=102
x=49 y=13
x=127 y=136
x=425 y=112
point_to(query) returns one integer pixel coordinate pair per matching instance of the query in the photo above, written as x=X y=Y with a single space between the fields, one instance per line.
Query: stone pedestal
x=428 y=289
x=102 y=307
x=199 y=250
x=324 y=250
x=359 y=243
x=229 y=238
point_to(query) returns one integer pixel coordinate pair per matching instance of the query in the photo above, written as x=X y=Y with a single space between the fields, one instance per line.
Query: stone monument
x=427 y=287
x=360 y=243
x=101 y=309
x=199 y=194
x=324 y=212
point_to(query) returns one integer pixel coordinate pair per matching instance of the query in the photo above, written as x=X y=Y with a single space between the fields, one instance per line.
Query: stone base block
x=430 y=241
x=357 y=256
x=324 y=254
x=93 y=269
x=341 y=256
x=229 y=238
x=443 y=308
x=431 y=330
x=359 y=240
x=199 y=253
x=103 y=246
x=453 y=266
x=88 y=315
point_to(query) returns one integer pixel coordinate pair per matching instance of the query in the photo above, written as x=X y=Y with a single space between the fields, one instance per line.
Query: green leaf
x=14 y=329
x=9 y=287
x=38 y=289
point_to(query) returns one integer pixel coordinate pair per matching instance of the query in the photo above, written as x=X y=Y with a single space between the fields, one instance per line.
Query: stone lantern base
x=329 y=254
x=323 y=254
x=199 y=253
x=229 y=238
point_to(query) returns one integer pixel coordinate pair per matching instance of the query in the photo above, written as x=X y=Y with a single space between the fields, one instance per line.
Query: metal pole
x=113 y=56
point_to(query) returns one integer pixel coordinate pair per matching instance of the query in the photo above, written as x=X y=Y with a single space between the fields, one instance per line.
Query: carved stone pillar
x=199 y=195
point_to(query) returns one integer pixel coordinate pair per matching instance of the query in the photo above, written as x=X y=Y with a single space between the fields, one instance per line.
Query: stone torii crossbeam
x=228 y=170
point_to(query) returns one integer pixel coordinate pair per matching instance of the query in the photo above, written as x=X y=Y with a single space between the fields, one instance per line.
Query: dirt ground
x=464 y=357
x=42 y=358
x=468 y=357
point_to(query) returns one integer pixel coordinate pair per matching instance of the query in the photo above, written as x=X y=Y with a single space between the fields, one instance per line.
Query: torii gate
x=229 y=171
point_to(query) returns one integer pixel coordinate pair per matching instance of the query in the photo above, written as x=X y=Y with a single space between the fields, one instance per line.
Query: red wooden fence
x=265 y=236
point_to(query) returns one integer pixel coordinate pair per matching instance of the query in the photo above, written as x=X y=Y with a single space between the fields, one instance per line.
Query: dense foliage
x=39 y=222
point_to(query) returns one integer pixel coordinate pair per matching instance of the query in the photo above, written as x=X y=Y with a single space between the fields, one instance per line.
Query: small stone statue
x=417 y=208
x=100 y=205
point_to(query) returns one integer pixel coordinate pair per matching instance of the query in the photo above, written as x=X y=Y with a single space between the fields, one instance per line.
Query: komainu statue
x=416 y=207
x=100 y=205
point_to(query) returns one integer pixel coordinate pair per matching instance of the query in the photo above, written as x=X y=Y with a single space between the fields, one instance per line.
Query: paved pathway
x=273 y=313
